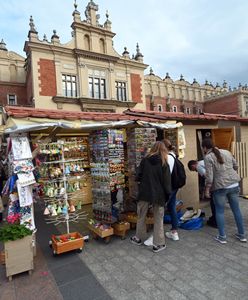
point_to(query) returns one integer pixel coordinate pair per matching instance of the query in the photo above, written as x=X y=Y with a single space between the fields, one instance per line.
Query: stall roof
x=132 y=115
x=28 y=112
x=22 y=119
x=179 y=116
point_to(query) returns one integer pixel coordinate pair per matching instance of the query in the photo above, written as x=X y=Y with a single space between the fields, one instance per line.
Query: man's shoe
x=149 y=241
x=172 y=235
x=220 y=239
x=241 y=238
x=158 y=248
x=135 y=240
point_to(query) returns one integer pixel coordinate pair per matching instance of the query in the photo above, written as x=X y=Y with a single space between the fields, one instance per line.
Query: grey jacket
x=220 y=176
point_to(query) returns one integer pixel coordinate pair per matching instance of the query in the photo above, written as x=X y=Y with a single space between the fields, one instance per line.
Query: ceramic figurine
x=46 y=212
x=72 y=208
x=64 y=210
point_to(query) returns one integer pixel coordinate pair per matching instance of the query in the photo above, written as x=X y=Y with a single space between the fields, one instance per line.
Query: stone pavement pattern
x=196 y=267
x=39 y=285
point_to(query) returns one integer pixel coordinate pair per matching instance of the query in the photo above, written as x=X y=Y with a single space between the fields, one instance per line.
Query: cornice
x=96 y=55
x=39 y=46
x=132 y=63
x=90 y=103
x=90 y=28
x=13 y=83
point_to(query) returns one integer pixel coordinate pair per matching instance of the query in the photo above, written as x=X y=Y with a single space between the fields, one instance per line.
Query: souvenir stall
x=73 y=168
x=19 y=234
x=19 y=186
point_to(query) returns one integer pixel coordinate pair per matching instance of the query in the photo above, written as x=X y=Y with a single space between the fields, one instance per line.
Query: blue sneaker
x=241 y=237
x=220 y=239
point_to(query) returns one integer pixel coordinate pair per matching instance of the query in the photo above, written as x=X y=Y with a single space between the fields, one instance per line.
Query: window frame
x=97 y=87
x=121 y=90
x=69 y=87
x=188 y=110
x=160 y=108
x=174 y=108
x=15 y=99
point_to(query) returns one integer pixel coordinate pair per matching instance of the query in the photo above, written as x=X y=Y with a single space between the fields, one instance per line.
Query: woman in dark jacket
x=154 y=188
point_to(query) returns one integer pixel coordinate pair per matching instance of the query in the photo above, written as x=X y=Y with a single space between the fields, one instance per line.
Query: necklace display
x=107 y=171
x=139 y=141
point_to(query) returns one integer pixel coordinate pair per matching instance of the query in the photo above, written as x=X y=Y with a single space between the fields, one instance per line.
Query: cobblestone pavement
x=195 y=267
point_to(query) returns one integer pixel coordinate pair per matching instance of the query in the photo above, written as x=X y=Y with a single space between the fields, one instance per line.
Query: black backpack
x=178 y=175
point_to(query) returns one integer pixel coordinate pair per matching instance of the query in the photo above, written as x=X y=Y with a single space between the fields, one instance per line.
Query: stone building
x=192 y=98
x=86 y=73
x=13 y=89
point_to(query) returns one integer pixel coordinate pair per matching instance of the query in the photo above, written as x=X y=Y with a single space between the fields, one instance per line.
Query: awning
x=18 y=125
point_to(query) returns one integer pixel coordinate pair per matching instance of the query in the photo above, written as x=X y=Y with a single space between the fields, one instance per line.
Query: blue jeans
x=171 y=205
x=220 y=196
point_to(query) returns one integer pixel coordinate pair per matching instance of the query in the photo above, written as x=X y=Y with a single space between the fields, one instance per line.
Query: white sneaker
x=149 y=241
x=172 y=235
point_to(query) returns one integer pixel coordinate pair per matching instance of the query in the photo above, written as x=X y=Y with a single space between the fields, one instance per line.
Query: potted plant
x=18 y=248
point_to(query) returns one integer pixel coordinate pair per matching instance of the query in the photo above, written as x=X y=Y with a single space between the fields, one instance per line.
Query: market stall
x=84 y=161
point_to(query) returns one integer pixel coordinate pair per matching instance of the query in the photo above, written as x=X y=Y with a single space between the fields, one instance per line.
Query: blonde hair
x=168 y=145
x=159 y=149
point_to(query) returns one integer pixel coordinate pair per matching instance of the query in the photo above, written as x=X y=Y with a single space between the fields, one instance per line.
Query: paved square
x=195 y=267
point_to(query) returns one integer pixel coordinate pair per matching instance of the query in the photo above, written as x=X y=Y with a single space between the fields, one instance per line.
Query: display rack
x=60 y=178
x=139 y=142
x=107 y=171
x=172 y=136
x=108 y=179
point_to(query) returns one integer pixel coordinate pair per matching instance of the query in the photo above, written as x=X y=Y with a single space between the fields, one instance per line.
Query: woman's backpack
x=178 y=175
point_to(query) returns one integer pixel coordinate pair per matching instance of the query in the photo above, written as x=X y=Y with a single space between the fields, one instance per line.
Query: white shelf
x=63 y=161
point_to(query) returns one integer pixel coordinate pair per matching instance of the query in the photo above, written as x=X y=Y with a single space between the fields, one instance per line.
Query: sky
x=201 y=39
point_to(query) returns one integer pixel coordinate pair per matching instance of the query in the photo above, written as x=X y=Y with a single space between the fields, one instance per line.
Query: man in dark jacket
x=154 y=188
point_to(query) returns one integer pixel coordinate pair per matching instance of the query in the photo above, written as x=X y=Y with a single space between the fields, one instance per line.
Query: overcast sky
x=202 y=39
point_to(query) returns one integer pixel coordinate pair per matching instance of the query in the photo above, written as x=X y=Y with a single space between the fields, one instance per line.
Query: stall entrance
x=223 y=138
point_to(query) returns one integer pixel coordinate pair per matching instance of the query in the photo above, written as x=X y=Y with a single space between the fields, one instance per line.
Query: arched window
x=87 y=42
x=187 y=111
x=174 y=108
x=102 y=45
x=160 y=107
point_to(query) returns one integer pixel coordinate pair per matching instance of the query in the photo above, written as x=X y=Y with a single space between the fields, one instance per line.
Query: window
x=102 y=45
x=121 y=91
x=69 y=84
x=174 y=108
x=12 y=99
x=97 y=88
x=160 y=107
x=246 y=104
x=187 y=110
x=87 y=42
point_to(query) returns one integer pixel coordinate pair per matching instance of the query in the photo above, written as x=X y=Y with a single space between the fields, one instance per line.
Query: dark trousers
x=212 y=206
